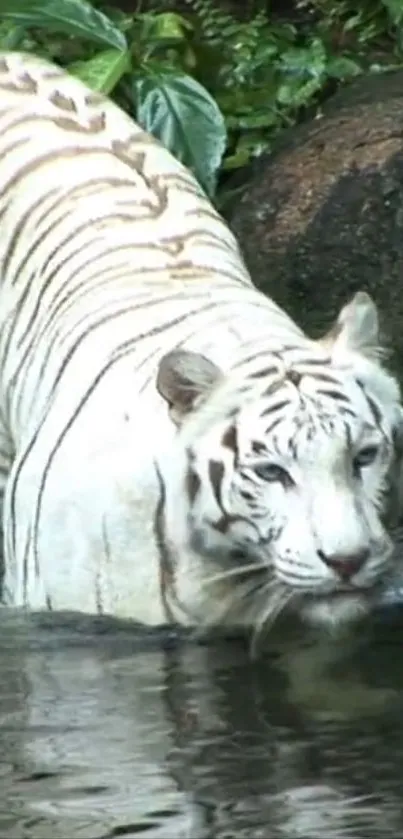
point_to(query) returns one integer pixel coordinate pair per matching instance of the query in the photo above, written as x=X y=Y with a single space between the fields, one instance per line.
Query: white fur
x=327 y=509
x=126 y=273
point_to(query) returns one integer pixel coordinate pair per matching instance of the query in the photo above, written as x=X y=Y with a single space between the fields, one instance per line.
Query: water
x=107 y=733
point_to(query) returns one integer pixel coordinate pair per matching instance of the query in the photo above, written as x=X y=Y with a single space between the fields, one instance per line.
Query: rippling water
x=106 y=734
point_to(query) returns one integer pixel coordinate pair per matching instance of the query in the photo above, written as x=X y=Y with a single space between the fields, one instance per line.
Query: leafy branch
x=215 y=90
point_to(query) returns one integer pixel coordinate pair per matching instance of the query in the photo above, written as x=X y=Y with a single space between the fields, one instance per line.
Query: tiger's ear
x=183 y=378
x=356 y=329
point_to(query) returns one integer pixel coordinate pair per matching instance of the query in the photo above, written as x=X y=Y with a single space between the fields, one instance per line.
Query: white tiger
x=173 y=447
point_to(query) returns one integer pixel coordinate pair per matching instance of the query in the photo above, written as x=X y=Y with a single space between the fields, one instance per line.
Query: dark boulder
x=323 y=216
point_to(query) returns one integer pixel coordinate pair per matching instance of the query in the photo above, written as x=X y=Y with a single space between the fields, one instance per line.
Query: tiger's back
x=85 y=193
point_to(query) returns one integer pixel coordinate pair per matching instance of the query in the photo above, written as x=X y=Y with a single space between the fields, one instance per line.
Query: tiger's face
x=286 y=467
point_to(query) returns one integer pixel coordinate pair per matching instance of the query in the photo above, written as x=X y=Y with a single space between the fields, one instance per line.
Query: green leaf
x=170 y=26
x=352 y=22
x=295 y=94
x=104 y=71
x=395 y=9
x=318 y=57
x=182 y=114
x=72 y=17
x=11 y=36
x=248 y=146
x=341 y=67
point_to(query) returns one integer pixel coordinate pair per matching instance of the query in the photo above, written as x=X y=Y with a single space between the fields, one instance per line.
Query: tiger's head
x=283 y=467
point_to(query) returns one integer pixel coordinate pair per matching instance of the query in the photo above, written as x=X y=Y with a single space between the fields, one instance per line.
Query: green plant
x=216 y=90
x=364 y=25
x=132 y=58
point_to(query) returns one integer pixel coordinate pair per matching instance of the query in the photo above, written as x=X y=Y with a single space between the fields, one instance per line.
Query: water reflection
x=105 y=735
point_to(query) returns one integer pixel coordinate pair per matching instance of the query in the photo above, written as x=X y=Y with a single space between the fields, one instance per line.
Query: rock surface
x=323 y=216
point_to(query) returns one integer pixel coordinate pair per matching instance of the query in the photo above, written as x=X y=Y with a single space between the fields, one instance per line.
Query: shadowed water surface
x=106 y=734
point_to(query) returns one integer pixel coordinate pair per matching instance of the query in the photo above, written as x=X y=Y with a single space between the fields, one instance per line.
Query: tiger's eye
x=273 y=473
x=364 y=458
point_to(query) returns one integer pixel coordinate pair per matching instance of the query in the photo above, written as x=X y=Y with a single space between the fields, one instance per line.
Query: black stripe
x=166 y=562
x=45 y=286
x=49 y=322
x=216 y=472
x=16 y=144
x=321 y=377
x=374 y=408
x=270 y=428
x=313 y=362
x=74 y=294
x=278 y=406
x=98 y=586
x=262 y=354
x=347 y=411
x=81 y=190
x=336 y=395
x=57 y=154
x=16 y=312
x=96 y=227
x=62 y=264
x=25 y=570
x=40 y=238
x=264 y=373
x=20 y=227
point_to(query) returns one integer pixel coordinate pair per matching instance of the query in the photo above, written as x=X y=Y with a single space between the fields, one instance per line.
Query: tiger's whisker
x=233 y=572
x=238 y=597
x=268 y=615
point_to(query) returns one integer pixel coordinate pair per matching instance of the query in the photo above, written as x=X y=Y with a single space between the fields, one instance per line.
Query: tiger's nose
x=345 y=565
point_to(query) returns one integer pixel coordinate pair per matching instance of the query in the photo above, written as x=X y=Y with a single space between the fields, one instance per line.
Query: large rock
x=323 y=216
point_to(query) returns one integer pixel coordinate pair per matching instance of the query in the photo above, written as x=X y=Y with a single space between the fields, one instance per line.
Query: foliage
x=216 y=90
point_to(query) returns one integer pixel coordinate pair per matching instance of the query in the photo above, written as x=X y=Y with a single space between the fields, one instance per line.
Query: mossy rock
x=323 y=216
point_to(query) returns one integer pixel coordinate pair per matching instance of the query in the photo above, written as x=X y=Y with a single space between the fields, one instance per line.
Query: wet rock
x=323 y=216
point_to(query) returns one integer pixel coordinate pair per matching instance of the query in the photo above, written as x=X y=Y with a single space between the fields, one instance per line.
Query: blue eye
x=365 y=458
x=272 y=473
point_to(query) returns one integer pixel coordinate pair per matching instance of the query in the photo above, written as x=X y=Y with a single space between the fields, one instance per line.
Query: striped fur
x=123 y=290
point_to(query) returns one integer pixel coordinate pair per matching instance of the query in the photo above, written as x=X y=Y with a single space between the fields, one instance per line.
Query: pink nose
x=345 y=565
